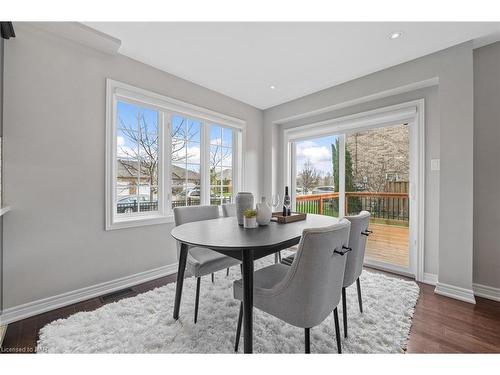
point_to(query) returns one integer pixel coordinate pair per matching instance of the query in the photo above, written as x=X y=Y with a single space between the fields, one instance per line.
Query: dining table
x=225 y=236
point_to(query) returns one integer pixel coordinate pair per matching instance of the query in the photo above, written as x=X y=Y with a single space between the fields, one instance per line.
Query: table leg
x=247 y=256
x=180 y=279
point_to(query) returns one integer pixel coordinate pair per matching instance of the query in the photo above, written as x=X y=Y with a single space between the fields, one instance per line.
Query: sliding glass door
x=377 y=176
x=342 y=174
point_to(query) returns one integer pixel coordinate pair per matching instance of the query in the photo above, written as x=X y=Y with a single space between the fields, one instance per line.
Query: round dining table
x=225 y=236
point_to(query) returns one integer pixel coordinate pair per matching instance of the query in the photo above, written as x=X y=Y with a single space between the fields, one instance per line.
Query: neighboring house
x=380 y=158
x=128 y=176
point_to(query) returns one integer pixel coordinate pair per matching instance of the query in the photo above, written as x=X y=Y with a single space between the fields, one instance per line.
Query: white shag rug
x=144 y=324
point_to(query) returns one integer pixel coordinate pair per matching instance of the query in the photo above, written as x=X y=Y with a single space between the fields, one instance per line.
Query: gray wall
x=486 y=169
x=54 y=153
x=453 y=67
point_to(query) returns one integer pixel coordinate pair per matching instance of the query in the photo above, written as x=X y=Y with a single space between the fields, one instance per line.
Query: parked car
x=190 y=192
x=133 y=198
x=323 y=190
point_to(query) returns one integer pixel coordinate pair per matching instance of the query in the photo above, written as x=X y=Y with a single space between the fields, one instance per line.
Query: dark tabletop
x=225 y=233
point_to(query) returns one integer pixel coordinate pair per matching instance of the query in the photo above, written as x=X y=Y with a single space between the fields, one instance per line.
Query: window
x=163 y=153
x=221 y=165
x=137 y=154
x=186 y=161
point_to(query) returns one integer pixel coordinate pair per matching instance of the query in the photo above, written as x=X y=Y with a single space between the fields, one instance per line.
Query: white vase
x=264 y=212
x=249 y=222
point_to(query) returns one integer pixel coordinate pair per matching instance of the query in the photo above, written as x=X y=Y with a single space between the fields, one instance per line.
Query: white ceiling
x=242 y=60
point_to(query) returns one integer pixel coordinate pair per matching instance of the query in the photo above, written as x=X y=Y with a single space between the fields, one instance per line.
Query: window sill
x=132 y=222
x=4 y=210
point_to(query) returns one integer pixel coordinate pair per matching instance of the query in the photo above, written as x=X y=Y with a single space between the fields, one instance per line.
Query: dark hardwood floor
x=440 y=324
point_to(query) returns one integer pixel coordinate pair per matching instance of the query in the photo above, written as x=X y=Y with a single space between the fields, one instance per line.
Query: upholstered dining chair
x=354 y=265
x=201 y=261
x=229 y=209
x=304 y=294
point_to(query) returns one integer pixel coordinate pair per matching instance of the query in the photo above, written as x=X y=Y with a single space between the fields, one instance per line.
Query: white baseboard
x=486 y=291
x=430 y=278
x=26 y=310
x=462 y=294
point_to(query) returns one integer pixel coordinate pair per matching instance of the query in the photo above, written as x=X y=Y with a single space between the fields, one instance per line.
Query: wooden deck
x=389 y=244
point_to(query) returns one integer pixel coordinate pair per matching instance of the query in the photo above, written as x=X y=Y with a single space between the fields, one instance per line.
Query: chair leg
x=197 y=299
x=337 y=330
x=279 y=256
x=358 y=284
x=212 y=277
x=227 y=271
x=344 y=311
x=238 y=329
x=307 y=340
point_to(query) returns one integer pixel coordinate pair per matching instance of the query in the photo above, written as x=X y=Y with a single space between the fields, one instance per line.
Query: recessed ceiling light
x=395 y=35
x=272 y=87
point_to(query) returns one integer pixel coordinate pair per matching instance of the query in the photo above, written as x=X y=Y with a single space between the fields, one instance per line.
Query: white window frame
x=119 y=91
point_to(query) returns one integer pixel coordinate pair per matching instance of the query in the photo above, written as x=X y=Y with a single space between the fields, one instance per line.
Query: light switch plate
x=435 y=165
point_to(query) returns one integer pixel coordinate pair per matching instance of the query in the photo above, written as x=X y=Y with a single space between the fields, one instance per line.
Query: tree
x=349 y=174
x=309 y=176
x=217 y=155
x=142 y=160
x=328 y=179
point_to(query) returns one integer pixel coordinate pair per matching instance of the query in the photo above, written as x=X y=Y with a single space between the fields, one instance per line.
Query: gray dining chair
x=229 y=209
x=201 y=261
x=304 y=294
x=354 y=265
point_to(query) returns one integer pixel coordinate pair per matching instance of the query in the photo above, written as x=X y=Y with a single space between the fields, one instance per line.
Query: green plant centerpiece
x=250 y=218
x=250 y=213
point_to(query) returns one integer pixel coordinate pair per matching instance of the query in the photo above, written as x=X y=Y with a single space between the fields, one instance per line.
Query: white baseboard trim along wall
x=478 y=290
x=462 y=294
x=26 y=310
x=486 y=291
x=430 y=278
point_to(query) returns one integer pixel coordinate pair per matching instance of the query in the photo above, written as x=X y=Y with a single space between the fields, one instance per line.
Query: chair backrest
x=229 y=209
x=313 y=285
x=357 y=242
x=183 y=215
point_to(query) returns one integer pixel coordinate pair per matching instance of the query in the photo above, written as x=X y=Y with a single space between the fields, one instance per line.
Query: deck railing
x=382 y=205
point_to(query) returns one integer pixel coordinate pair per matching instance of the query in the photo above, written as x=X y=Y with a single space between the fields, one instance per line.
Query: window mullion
x=205 y=164
x=164 y=188
x=138 y=163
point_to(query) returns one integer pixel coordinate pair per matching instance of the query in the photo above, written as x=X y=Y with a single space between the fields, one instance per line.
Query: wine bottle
x=286 y=203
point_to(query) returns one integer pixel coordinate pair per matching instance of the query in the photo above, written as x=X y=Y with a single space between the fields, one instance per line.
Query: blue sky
x=318 y=151
x=219 y=136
